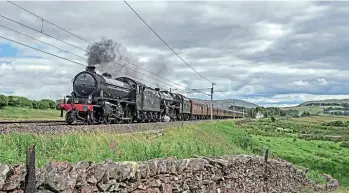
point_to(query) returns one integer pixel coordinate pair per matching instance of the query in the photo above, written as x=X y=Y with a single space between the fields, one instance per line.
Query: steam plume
x=110 y=56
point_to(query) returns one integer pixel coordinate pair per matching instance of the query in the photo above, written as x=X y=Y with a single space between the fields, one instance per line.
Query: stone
x=5 y=172
x=196 y=175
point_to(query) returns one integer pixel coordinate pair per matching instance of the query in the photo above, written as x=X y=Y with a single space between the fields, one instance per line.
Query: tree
x=305 y=113
x=50 y=103
x=35 y=104
x=3 y=101
x=43 y=104
x=13 y=101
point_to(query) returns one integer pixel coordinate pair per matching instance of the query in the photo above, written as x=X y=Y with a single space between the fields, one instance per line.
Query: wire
x=66 y=43
x=46 y=52
x=43 y=51
x=65 y=50
x=19 y=23
x=164 y=41
x=168 y=45
x=79 y=47
x=87 y=40
x=42 y=42
x=48 y=21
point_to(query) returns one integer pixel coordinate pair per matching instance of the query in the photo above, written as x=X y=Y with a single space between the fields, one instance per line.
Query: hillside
x=327 y=102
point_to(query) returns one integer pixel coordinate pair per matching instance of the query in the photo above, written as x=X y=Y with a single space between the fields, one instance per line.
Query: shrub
x=345 y=144
x=3 y=101
x=13 y=101
x=35 y=104
x=51 y=103
x=44 y=104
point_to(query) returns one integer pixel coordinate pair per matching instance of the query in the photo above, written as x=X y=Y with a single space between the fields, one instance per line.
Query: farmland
x=311 y=142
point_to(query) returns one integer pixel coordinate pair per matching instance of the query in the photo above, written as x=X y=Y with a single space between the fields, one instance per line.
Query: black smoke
x=101 y=52
x=110 y=56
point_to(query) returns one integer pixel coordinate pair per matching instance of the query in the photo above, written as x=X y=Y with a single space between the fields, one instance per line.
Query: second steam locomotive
x=98 y=98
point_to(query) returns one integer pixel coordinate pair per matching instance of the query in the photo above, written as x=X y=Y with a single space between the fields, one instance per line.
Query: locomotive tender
x=98 y=98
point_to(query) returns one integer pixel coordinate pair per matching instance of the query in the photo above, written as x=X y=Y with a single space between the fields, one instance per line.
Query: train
x=101 y=99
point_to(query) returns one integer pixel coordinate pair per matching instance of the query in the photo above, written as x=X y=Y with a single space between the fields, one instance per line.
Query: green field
x=314 y=110
x=204 y=139
x=323 y=155
x=26 y=113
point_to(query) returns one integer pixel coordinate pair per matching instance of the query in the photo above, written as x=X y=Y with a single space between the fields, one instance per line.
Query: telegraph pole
x=243 y=111
x=212 y=101
x=234 y=108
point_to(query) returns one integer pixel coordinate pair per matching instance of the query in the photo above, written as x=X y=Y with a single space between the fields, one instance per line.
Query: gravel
x=59 y=128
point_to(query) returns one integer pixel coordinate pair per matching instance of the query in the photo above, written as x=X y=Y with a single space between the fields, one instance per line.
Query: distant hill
x=327 y=102
x=322 y=107
x=228 y=103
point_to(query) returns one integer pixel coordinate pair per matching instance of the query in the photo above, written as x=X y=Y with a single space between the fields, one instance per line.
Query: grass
x=23 y=113
x=282 y=138
x=199 y=139
x=183 y=142
x=314 y=110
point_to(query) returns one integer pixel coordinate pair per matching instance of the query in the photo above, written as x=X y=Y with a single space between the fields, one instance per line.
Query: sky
x=275 y=53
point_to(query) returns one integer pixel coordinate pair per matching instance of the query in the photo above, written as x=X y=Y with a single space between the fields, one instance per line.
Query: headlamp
x=85 y=108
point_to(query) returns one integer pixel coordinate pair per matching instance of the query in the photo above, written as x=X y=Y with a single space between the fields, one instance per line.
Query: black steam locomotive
x=98 y=98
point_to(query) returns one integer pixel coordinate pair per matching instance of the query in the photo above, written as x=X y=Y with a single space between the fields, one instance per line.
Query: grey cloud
x=247 y=48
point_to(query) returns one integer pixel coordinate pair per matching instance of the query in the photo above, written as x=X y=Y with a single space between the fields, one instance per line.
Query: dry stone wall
x=224 y=174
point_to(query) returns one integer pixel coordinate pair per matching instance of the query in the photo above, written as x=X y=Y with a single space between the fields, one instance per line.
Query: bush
x=272 y=119
x=51 y=103
x=337 y=123
x=345 y=144
x=13 y=101
x=3 y=101
x=44 y=104
x=305 y=113
x=35 y=104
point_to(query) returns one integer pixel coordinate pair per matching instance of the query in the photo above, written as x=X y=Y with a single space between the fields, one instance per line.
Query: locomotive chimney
x=157 y=89
x=108 y=75
x=90 y=68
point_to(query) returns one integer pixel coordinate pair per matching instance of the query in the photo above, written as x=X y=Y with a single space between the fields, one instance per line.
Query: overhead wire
x=42 y=41
x=48 y=21
x=19 y=23
x=170 y=47
x=54 y=47
x=46 y=52
x=42 y=51
x=87 y=41
x=66 y=43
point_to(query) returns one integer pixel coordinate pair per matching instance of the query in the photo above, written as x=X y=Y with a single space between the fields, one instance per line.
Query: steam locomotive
x=100 y=99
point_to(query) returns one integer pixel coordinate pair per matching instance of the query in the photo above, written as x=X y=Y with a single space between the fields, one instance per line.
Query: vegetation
x=324 y=151
x=17 y=107
x=204 y=139
x=26 y=113
x=18 y=101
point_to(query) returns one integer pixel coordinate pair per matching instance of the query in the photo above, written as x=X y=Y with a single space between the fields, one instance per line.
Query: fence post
x=30 y=181
x=266 y=189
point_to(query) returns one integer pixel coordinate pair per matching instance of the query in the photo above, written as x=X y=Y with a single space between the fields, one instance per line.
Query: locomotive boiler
x=99 y=98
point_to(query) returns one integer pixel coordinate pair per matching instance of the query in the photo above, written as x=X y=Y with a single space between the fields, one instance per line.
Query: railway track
x=31 y=121
x=59 y=127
